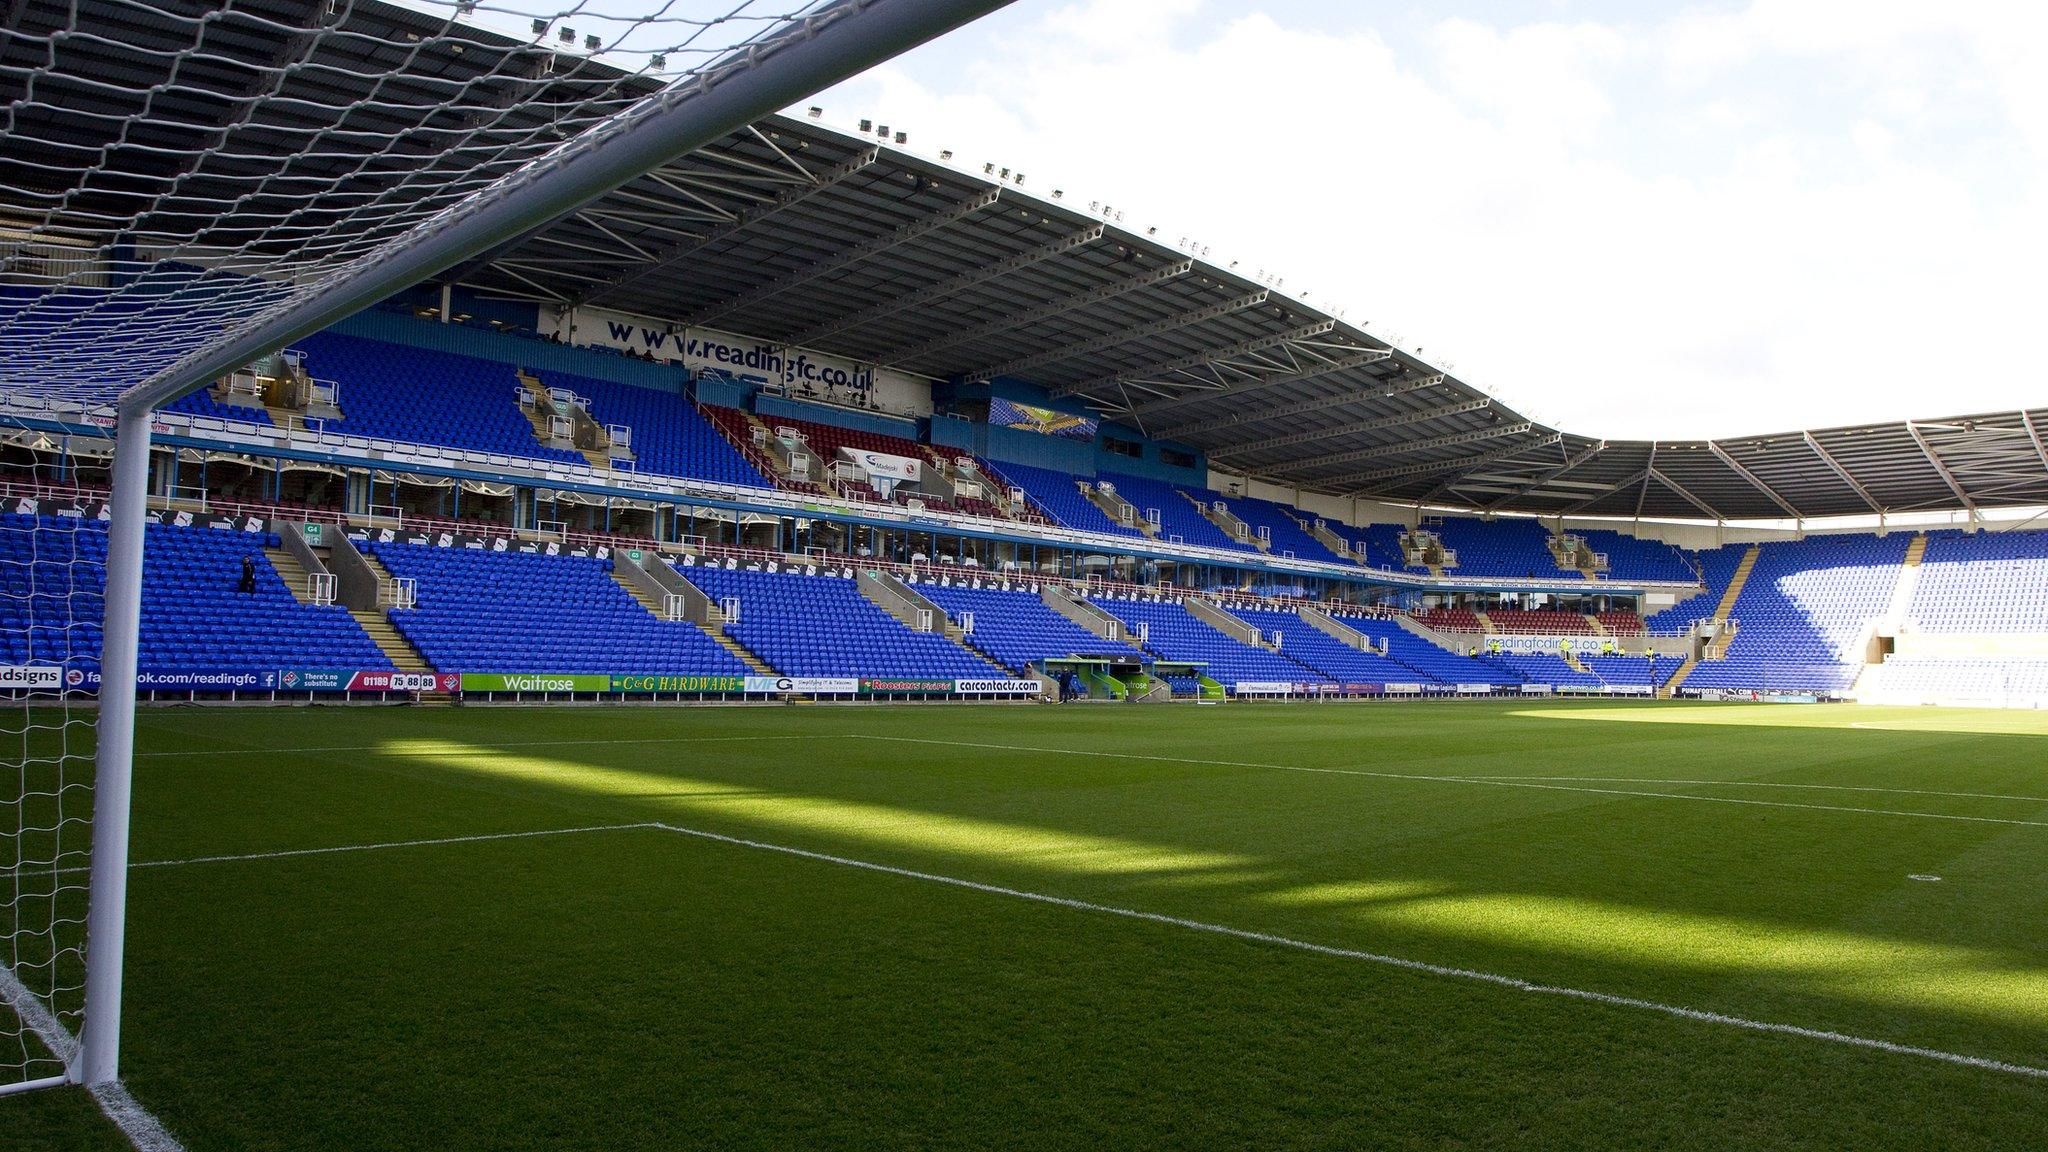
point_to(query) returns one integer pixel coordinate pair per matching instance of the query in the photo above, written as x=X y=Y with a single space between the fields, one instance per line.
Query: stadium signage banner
x=264 y=680
x=837 y=378
x=881 y=464
x=1044 y=421
x=1538 y=645
x=1403 y=689
x=1474 y=689
x=995 y=687
x=904 y=684
x=533 y=682
x=1536 y=689
x=1262 y=688
x=810 y=685
x=31 y=677
x=371 y=680
x=681 y=684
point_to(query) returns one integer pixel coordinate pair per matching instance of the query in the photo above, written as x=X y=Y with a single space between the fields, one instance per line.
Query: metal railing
x=399 y=592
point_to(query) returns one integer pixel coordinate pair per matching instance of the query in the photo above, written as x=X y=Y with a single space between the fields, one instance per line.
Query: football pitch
x=1429 y=925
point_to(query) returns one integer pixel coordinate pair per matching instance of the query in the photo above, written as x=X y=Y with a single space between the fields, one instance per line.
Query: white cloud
x=1794 y=214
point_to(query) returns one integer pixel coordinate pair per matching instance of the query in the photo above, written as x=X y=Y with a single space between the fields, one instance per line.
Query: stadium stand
x=1285 y=532
x=1173 y=633
x=1543 y=668
x=821 y=625
x=53 y=574
x=671 y=437
x=1984 y=582
x=1431 y=663
x=1717 y=569
x=1303 y=643
x=1505 y=547
x=203 y=403
x=1451 y=619
x=420 y=396
x=484 y=611
x=1178 y=516
x=1620 y=623
x=1059 y=499
x=1634 y=558
x=1539 y=622
x=1014 y=627
x=1646 y=672
x=1907 y=679
x=1802 y=614
x=738 y=429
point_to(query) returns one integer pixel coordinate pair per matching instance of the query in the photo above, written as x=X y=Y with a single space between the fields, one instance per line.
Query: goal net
x=179 y=181
x=52 y=572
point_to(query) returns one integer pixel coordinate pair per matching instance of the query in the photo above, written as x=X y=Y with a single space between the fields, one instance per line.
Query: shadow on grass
x=1805 y=913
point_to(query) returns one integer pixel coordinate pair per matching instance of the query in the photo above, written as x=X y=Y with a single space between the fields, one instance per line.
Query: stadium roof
x=795 y=232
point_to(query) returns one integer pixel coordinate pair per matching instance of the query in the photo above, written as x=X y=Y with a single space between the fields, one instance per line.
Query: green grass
x=642 y=989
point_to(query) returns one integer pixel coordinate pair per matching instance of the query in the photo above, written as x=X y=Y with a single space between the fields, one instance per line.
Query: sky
x=1626 y=220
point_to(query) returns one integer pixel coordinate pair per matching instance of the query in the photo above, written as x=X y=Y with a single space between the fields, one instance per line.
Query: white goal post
x=140 y=271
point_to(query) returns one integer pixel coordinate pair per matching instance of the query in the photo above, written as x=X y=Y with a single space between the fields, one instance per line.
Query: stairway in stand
x=396 y=647
x=293 y=572
x=1670 y=687
x=1723 y=611
x=645 y=598
x=739 y=650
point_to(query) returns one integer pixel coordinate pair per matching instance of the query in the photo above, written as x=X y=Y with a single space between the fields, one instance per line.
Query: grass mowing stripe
x=512 y=744
x=137 y=1123
x=1487 y=781
x=1471 y=974
x=1779 y=784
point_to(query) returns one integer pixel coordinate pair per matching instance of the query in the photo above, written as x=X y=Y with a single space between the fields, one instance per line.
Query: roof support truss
x=1842 y=473
x=1653 y=474
x=1412 y=447
x=949 y=287
x=1112 y=339
x=1283 y=411
x=1649 y=473
x=781 y=202
x=1436 y=466
x=1025 y=318
x=2034 y=437
x=1315 y=367
x=832 y=265
x=1547 y=475
x=1604 y=493
x=1947 y=477
x=1314 y=434
x=1217 y=366
x=1755 y=481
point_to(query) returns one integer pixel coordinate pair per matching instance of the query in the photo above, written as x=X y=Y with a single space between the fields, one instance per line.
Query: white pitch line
x=1472 y=974
x=1780 y=784
x=1484 y=781
x=373 y=847
x=386 y=746
x=137 y=1123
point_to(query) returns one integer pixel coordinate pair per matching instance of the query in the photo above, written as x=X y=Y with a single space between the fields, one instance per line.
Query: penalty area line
x=1512 y=983
x=288 y=853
